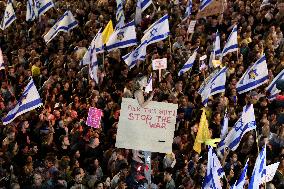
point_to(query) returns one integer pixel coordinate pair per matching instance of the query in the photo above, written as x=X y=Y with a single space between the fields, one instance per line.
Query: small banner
x=94 y=117
x=216 y=7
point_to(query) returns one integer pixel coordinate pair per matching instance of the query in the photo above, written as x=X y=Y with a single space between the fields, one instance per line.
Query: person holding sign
x=140 y=83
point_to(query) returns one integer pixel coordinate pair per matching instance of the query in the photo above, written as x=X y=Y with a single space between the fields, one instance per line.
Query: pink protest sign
x=94 y=117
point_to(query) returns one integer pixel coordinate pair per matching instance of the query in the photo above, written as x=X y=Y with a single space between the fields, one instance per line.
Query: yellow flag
x=216 y=63
x=202 y=134
x=107 y=32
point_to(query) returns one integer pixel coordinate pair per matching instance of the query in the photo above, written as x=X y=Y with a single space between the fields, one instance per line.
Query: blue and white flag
x=204 y=4
x=225 y=125
x=217 y=46
x=29 y=100
x=232 y=42
x=87 y=56
x=214 y=172
x=255 y=76
x=188 y=9
x=272 y=87
x=42 y=6
x=259 y=171
x=214 y=86
x=189 y=63
x=158 y=31
x=120 y=18
x=9 y=16
x=2 y=67
x=245 y=124
x=93 y=66
x=66 y=23
x=123 y=37
x=239 y=184
x=139 y=53
x=138 y=12
x=99 y=42
x=30 y=15
x=145 y=4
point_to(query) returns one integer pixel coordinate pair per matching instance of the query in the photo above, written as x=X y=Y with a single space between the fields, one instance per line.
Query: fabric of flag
x=157 y=31
x=99 y=42
x=145 y=4
x=188 y=9
x=189 y=63
x=206 y=81
x=2 y=67
x=30 y=14
x=232 y=42
x=138 y=12
x=259 y=171
x=93 y=66
x=241 y=182
x=203 y=133
x=217 y=46
x=120 y=18
x=107 y=32
x=255 y=76
x=66 y=23
x=139 y=53
x=29 y=100
x=9 y=16
x=88 y=55
x=215 y=85
x=123 y=37
x=270 y=172
x=244 y=124
x=214 y=172
x=272 y=86
x=225 y=125
x=42 y=6
x=204 y=4
x=149 y=86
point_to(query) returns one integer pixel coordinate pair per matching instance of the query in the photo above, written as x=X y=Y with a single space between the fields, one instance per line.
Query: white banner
x=159 y=64
x=191 y=26
x=147 y=129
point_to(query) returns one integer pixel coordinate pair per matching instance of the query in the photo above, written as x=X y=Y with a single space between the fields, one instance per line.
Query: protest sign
x=191 y=26
x=159 y=64
x=147 y=129
x=214 y=8
x=94 y=117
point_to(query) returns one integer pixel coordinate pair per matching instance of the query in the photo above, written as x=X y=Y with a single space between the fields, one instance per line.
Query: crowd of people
x=52 y=147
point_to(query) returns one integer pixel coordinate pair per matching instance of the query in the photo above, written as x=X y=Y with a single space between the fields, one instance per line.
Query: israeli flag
x=225 y=125
x=88 y=55
x=123 y=37
x=42 y=6
x=188 y=9
x=66 y=23
x=272 y=87
x=120 y=18
x=145 y=4
x=157 y=31
x=189 y=63
x=255 y=76
x=239 y=184
x=217 y=46
x=2 y=67
x=245 y=124
x=139 y=53
x=259 y=171
x=93 y=66
x=29 y=100
x=9 y=16
x=232 y=42
x=30 y=15
x=214 y=86
x=214 y=172
x=204 y=4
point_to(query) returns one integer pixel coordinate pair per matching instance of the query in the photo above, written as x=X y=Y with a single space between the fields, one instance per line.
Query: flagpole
x=256 y=138
x=170 y=44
